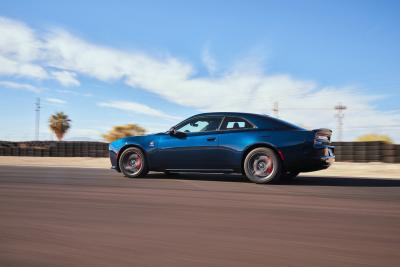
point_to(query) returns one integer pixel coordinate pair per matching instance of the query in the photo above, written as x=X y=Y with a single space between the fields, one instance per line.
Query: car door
x=235 y=135
x=196 y=149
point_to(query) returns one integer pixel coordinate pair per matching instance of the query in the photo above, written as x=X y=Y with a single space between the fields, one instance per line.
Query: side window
x=200 y=124
x=234 y=123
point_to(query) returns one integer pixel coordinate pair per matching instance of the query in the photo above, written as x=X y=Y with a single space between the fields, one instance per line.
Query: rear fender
x=263 y=144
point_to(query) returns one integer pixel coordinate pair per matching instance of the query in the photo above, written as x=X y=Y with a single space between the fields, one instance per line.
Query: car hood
x=142 y=140
x=141 y=137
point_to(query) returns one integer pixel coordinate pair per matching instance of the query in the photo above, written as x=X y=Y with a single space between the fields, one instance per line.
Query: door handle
x=211 y=138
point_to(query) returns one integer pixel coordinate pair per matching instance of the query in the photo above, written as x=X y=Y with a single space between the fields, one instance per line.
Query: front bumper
x=114 y=160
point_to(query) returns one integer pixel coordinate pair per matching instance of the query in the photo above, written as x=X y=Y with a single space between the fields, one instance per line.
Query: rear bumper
x=328 y=154
x=322 y=157
x=314 y=158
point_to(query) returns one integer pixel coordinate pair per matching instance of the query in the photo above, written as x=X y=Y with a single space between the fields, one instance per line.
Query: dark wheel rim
x=132 y=163
x=261 y=166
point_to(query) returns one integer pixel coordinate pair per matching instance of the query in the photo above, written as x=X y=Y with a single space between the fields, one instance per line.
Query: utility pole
x=37 y=118
x=275 y=109
x=340 y=108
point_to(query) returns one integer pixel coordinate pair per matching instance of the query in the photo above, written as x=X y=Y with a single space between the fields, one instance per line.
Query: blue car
x=263 y=148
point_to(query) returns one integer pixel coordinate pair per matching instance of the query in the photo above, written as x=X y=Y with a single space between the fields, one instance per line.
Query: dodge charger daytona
x=263 y=148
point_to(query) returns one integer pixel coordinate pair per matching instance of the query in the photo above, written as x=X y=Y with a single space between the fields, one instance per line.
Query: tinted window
x=277 y=124
x=200 y=124
x=234 y=123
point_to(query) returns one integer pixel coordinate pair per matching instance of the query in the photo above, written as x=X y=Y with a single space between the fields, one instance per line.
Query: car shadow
x=344 y=181
x=301 y=180
x=201 y=177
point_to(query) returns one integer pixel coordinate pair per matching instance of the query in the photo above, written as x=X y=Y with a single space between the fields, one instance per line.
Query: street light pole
x=340 y=108
x=37 y=118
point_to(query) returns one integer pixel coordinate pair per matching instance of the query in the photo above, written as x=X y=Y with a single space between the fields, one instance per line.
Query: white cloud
x=66 y=78
x=20 y=86
x=9 y=67
x=208 y=60
x=242 y=88
x=55 y=101
x=71 y=92
x=68 y=52
x=18 y=40
x=136 y=108
x=19 y=50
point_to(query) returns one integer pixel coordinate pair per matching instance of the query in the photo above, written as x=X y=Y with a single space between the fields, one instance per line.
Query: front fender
x=144 y=143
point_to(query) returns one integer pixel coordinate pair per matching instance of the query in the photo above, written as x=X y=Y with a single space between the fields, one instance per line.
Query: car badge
x=151 y=144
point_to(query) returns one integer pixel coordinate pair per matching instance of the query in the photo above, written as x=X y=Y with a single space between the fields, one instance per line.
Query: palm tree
x=121 y=131
x=59 y=123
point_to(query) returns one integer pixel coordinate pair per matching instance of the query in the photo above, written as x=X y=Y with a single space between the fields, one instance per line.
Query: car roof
x=260 y=120
x=242 y=114
x=255 y=118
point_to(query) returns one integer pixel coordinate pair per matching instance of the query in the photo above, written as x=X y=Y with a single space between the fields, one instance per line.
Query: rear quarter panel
x=235 y=144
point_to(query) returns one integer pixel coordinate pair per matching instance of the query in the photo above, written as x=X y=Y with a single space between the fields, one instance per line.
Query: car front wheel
x=262 y=166
x=133 y=163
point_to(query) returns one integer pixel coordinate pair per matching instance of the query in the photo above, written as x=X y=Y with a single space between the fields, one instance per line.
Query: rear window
x=277 y=124
x=235 y=123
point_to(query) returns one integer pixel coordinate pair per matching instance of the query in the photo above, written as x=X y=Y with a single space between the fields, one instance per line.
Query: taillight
x=320 y=139
x=322 y=136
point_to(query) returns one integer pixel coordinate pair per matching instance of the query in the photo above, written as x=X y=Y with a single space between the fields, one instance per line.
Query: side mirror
x=174 y=132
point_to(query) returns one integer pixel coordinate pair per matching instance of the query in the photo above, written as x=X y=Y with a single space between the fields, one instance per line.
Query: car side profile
x=263 y=148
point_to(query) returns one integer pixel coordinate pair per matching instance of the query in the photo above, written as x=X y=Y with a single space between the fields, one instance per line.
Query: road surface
x=94 y=217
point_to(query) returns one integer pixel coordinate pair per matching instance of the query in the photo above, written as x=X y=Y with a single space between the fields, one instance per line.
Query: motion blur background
x=331 y=64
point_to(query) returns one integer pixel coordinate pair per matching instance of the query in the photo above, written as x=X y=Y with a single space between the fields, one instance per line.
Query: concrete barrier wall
x=54 y=149
x=344 y=151
x=367 y=152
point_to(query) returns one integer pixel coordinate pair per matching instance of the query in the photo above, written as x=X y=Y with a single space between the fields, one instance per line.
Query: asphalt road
x=94 y=217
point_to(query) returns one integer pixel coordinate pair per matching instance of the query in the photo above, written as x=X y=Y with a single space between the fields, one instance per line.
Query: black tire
x=132 y=163
x=290 y=175
x=262 y=166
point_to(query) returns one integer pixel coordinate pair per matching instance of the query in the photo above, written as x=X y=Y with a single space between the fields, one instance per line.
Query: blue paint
x=224 y=150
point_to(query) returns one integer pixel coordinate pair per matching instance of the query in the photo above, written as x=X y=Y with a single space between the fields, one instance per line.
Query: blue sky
x=155 y=62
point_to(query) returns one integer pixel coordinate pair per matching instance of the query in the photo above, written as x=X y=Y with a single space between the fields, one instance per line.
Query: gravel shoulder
x=347 y=169
x=77 y=162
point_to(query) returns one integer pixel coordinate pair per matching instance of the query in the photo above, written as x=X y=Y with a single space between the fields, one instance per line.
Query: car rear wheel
x=133 y=163
x=262 y=166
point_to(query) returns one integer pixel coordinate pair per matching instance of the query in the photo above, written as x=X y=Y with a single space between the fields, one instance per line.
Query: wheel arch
x=125 y=147
x=257 y=145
